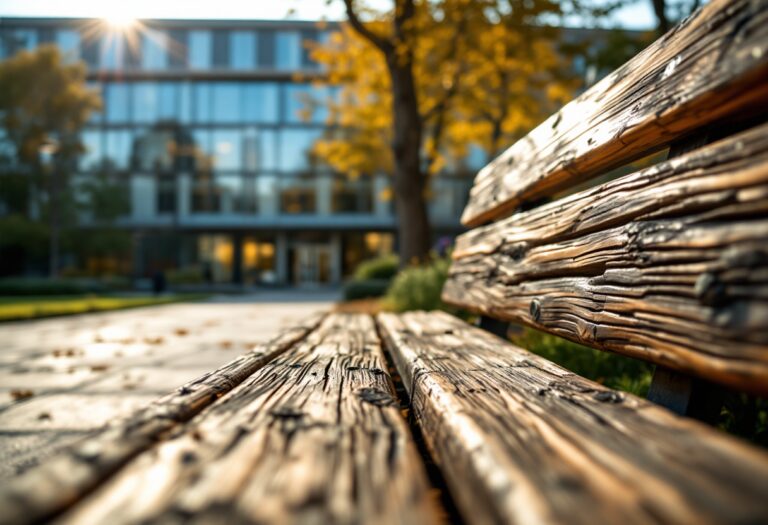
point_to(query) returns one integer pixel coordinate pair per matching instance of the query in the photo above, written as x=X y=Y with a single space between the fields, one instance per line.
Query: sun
x=119 y=17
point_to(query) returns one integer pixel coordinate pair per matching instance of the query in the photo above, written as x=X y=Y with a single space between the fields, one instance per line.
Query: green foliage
x=35 y=307
x=185 y=275
x=30 y=286
x=611 y=370
x=43 y=98
x=365 y=288
x=418 y=287
x=384 y=267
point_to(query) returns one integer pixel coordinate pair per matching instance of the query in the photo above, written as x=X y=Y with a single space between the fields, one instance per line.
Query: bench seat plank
x=315 y=436
x=48 y=489
x=521 y=440
x=712 y=65
x=667 y=264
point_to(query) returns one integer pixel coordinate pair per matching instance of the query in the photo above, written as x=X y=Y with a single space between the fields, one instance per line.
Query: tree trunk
x=53 y=220
x=413 y=227
x=659 y=8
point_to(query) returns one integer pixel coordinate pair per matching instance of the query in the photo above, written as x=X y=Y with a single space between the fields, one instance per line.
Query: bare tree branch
x=383 y=44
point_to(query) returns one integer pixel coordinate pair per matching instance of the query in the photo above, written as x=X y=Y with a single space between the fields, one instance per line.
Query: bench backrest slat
x=668 y=264
x=713 y=64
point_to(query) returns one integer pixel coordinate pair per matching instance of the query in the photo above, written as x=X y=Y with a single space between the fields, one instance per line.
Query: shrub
x=43 y=286
x=185 y=275
x=612 y=370
x=418 y=287
x=384 y=267
x=364 y=289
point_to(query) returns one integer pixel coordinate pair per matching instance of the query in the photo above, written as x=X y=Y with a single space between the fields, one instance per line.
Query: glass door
x=312 y=264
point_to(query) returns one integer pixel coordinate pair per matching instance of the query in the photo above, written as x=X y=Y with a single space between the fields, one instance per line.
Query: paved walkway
x=62 y=378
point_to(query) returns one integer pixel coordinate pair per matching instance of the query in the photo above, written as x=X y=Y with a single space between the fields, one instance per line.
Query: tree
x=44 y=103
x=669 y=12
x=421 y=83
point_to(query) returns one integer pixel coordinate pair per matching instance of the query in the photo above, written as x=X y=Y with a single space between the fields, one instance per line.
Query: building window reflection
x=226 y=102
x=306 y=103
x=288 y=50
x=200 y=45
x=298 y=194
x=227 y=150
x=117 y=103
x=242 y=50
x=296 y=149
x=166 y=193
x=154 y=46
x=260 y=102
x=352 y=195
x=118 y=149
x=68 y=42
x=91 y=158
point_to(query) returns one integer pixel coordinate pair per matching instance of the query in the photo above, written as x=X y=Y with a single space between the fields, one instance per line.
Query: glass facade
x=208 y=127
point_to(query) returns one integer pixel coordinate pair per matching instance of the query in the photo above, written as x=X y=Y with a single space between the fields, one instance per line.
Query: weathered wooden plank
x=712 y=65
x=521 y=440
x=62 y=480
x=315 y=436
x=667 y=264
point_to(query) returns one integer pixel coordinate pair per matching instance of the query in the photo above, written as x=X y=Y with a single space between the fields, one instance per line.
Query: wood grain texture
x=713 y=65
x=47 y=490
x=521 y=440
x=668 y=264
x=315 y=436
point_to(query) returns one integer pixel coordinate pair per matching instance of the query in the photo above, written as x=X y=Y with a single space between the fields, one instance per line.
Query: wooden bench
x=668 y=264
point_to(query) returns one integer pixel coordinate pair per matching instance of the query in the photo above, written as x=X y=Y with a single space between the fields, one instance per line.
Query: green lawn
x=17 y=308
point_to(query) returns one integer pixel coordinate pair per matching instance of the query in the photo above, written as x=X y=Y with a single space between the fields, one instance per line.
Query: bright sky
x=637 y=16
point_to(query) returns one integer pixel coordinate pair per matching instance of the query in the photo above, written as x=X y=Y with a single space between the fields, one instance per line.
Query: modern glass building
x=209 y=130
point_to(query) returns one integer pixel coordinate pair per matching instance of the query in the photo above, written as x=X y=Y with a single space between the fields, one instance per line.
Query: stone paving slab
x=63 y=377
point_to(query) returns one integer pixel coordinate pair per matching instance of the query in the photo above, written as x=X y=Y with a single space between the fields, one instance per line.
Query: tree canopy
x=485 y=72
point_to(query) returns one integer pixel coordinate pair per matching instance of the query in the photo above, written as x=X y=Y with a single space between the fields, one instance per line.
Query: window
x=185 y=102
x=227 y=150
x=352 y=195
x=202 y=150
x=166 y=194
x=117 y=100
x=260 y=102
x=69 y=43
x=168 y=98
x=203 y=198
x=234 y=194
x=202 y=105
x=308 y=36
x=15 y=40
x=288 y=50
x=111 y=51
x=154 y=46
x=155 y=150
x=118 y=149
x=266 y=49
x=200 y=49
x=259 y=260
x=91 y=158
x=220 y=49
x=97 y=88
x=145 y=102
x=226 y=102
x=298 y=194
x=177 y=48
x=242 y=50
x=266 y=195
x=305 y=103
x=295 y=149
x=258 y=149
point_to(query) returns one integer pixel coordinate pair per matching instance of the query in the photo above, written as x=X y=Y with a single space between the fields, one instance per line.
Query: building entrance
x=312 y=264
